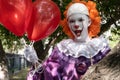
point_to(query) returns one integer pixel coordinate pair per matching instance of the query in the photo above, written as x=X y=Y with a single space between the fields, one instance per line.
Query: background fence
x=16 y=63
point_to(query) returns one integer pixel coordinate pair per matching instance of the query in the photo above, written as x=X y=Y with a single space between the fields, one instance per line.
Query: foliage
x=109 y=12
x=115 y=36
x=9 y=39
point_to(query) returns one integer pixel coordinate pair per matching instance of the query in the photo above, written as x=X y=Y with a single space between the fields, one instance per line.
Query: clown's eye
x=71 y=21
x=80 y=19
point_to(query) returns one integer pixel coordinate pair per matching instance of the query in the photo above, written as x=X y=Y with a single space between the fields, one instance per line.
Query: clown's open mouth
x=77 y=32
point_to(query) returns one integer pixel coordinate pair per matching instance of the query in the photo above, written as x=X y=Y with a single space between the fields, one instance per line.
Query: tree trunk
x=39 y=48
x=3 y=64
x=106 y=69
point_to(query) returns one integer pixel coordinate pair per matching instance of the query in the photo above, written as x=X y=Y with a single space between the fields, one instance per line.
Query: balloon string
x=24 y=42
x=31 y=43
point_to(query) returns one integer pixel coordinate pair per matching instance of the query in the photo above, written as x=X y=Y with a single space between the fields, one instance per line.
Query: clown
x=71 y=58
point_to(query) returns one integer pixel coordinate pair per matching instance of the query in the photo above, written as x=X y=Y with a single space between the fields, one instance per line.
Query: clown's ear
x=89 y=21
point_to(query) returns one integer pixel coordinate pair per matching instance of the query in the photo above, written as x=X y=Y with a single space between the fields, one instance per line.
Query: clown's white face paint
x=78 y=24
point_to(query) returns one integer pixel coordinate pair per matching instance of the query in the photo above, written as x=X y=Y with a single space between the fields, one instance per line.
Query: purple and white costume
x=69 y=60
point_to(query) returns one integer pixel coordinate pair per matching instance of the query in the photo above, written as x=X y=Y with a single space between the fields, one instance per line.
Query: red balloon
x=15 y=15
x=44 y=20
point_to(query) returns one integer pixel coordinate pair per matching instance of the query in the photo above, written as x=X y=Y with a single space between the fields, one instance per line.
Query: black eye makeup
x=80 y=19
x=71 y=21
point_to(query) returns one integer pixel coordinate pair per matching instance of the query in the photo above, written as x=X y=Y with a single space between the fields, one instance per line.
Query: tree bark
x=106 y=69
x=39 y=48
x=3 y=64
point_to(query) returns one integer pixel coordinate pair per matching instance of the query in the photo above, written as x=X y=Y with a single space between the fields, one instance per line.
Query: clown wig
x=94 y=28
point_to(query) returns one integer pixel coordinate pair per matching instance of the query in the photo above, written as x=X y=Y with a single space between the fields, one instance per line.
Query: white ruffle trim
x=88 y=49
